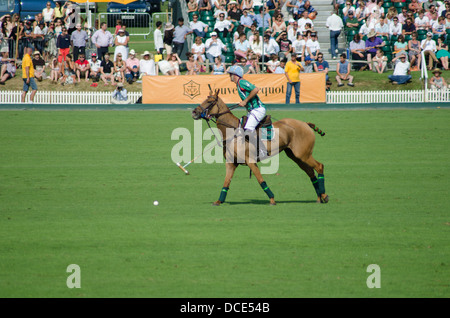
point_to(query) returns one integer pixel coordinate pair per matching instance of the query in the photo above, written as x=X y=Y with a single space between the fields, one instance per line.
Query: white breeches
x=254 y=117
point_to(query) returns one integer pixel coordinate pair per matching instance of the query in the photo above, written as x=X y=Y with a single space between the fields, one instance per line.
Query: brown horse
x=295 y=138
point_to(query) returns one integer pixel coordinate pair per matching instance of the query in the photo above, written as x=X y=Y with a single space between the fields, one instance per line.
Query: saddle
x=264 y=129
x=266 y=122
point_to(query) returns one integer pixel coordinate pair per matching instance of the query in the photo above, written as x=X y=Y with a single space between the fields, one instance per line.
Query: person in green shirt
x=256 y=109
x=249 y=97
x=351 y=23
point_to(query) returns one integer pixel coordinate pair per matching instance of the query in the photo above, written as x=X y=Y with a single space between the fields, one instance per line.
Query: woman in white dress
x=119 y=69
x=256 y=44
x=198 y=49
x=47 y=13
x=175 y=63
x=121 y=42
x=170 y=66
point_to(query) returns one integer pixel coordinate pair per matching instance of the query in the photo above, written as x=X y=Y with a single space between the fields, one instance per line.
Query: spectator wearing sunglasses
x=47 y=13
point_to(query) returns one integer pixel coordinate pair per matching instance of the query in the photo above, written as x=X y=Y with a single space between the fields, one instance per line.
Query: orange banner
x=184 y=89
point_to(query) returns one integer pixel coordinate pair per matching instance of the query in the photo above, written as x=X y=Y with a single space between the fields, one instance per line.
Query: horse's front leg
x=231 y=167
x=262 y=183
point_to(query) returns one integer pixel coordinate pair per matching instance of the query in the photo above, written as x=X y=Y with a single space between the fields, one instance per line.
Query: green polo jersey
x=244 y=88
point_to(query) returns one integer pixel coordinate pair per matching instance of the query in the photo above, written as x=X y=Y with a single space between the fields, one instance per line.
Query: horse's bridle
x=215 y=117
x=204 y=114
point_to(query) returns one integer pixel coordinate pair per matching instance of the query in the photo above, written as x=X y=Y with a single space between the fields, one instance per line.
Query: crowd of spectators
x=397 y=28
x=379 y=33
x=65 y=50
x=257 y=34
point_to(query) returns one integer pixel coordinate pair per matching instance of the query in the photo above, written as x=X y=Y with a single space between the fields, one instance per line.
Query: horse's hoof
x=324 y=199
x=217 y=203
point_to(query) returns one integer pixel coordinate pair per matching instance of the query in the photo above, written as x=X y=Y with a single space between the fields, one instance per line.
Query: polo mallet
x=184 y=167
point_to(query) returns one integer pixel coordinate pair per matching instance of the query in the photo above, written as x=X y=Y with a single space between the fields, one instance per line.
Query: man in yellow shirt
x=292 y=72
x=28 y=75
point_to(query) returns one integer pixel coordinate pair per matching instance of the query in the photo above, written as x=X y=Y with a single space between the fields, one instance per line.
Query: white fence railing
x=438 y=95
x=368 y=97
x=333 y=97
x=62 y=97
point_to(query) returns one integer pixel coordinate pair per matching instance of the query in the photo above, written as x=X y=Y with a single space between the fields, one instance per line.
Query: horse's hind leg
x=317 y=182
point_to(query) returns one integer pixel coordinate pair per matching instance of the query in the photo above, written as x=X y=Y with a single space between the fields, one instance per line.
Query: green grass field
x=77 y=187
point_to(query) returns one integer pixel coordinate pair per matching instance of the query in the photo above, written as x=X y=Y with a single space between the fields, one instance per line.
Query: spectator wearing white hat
x=121 y=43
x=168 y=37
x=147 y=65
x=132 y=65
x=39 y=66
x=234 y=11
x=214 y=47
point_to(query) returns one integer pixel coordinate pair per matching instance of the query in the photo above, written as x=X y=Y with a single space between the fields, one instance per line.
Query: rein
x=215 y=117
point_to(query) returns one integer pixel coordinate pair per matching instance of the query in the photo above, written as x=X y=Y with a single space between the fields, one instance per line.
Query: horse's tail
x=316 y=129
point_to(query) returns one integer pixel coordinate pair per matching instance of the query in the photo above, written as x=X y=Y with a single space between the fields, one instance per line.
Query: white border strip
x=333 y=97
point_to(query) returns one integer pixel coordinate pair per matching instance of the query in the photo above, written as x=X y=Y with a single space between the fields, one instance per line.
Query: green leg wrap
x=223 y=194
x=267 y=190
x=315 y=183
x=321 y=179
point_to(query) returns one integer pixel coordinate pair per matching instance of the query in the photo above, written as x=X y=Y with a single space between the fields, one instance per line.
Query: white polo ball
x=155 y=203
